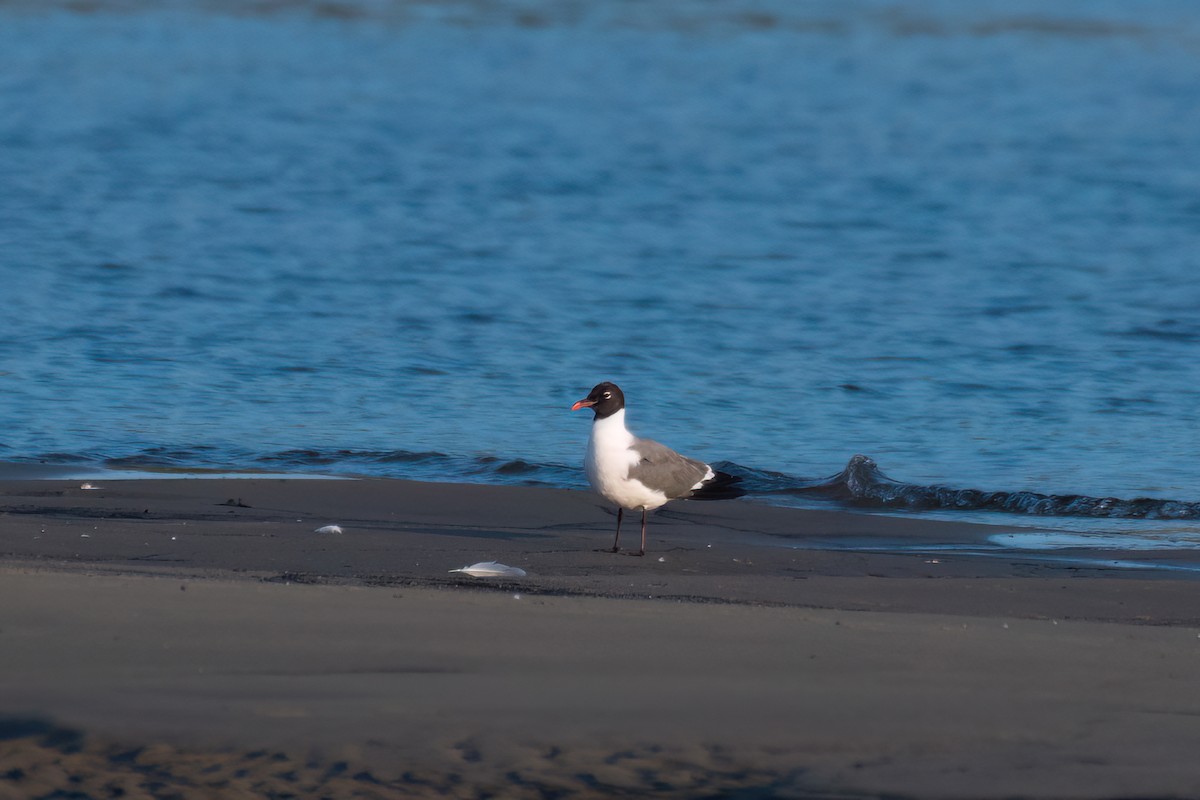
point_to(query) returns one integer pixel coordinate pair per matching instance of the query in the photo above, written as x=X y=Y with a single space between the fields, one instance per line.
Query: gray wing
x=664 y=470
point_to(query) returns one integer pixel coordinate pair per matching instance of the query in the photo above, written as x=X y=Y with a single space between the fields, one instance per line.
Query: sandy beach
x=198 y=638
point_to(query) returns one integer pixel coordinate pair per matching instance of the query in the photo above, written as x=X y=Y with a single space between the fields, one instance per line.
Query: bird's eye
x=607 y=395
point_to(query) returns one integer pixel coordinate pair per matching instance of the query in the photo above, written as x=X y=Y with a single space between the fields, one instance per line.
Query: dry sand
x=156 y=641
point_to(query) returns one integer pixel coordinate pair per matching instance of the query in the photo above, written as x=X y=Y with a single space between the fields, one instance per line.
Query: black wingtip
x=721 y=486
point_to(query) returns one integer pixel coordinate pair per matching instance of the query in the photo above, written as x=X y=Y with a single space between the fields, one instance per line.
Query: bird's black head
x=605 y=399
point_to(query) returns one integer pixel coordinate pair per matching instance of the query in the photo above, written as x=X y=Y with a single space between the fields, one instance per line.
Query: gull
x=638 y=473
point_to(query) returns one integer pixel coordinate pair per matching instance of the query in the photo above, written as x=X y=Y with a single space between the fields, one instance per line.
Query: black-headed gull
x=639 y=473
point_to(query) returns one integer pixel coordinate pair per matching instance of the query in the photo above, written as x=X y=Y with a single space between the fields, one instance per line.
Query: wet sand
x=197 y=637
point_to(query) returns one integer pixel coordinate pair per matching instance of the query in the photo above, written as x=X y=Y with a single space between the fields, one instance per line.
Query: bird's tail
x=721 y=486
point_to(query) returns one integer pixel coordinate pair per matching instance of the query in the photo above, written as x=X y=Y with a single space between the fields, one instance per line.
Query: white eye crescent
x=607 y=395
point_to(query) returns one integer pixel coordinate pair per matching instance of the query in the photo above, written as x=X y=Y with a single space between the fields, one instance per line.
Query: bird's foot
x=622 y=552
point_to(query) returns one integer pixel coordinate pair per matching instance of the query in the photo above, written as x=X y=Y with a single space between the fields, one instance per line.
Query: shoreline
x=202 y=632
x=411 y=533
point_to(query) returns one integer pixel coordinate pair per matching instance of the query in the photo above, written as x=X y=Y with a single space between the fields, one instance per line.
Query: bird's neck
x=611 y=429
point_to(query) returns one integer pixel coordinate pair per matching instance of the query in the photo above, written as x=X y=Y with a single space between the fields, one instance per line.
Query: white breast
x=609 y=458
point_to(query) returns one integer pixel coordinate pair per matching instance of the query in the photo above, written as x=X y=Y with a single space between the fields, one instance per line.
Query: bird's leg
x=620 y=512
x=642 y=552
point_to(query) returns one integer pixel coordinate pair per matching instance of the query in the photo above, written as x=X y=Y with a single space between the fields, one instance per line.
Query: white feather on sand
x=491 y=569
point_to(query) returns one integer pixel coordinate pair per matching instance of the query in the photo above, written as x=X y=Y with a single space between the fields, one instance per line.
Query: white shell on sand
x=329 y=529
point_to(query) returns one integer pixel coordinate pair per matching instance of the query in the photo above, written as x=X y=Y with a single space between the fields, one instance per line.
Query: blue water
x=402 y=238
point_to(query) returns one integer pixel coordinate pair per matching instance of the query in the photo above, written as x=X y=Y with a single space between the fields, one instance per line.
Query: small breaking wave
x=333 y=462
x=863 y=484
x=427 y=465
